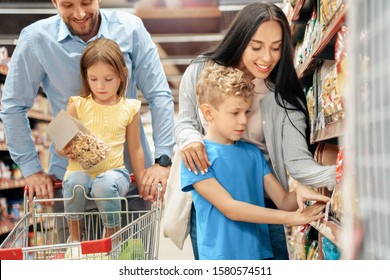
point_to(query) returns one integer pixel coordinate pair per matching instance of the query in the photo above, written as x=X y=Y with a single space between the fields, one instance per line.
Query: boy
x=229 y=198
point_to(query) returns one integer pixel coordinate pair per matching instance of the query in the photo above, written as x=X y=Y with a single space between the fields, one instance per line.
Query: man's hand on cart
x=153 y=176
x=40 y=184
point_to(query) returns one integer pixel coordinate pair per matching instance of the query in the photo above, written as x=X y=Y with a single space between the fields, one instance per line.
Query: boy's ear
x=207 y=111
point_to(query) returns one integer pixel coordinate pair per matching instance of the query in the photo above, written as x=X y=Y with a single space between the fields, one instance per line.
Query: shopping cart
x=39 y=235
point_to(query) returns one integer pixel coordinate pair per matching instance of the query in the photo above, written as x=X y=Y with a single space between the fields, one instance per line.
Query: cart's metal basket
x=39 y=235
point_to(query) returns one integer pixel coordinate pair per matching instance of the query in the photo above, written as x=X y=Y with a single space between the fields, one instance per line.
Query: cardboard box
x=63 y=128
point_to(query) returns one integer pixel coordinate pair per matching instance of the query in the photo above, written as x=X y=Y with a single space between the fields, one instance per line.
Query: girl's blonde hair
x=219 y=82
x=108 y=52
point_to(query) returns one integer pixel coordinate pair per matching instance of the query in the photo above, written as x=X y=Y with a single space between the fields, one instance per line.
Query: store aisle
x=167 y=249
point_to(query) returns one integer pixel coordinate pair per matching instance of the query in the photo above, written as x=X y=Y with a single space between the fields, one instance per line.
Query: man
x=48 y=53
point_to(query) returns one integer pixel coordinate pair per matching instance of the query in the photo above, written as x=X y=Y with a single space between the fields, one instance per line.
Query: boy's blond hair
x=217 y=83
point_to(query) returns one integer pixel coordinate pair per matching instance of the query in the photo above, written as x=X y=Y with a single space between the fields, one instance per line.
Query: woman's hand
x=195 y=158
x=305 y=193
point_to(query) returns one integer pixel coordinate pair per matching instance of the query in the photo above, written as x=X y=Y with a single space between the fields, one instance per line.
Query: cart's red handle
x=57 y=184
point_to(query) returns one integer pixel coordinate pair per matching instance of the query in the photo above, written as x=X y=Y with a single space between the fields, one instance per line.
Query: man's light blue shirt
x=48 y=54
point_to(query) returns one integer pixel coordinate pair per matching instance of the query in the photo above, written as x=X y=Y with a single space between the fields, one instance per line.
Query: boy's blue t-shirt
x=240 y=169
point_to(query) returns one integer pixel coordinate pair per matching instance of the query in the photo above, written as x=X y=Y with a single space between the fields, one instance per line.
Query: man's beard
x=81 y=33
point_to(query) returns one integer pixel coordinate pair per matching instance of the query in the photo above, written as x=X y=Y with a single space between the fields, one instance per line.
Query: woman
x=259 y=43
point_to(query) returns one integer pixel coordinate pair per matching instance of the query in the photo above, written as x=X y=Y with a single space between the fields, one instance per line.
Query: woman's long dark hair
x=283 y=79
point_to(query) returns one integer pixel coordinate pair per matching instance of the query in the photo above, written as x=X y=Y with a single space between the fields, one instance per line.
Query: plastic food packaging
x=66 y=131
x=329 y=249
x=88 y=150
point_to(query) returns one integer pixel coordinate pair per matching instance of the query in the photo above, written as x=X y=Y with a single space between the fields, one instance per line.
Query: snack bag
x=66 y=131
x=88 y=150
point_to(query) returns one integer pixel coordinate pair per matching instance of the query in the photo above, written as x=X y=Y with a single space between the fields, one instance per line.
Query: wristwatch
x=163 y=161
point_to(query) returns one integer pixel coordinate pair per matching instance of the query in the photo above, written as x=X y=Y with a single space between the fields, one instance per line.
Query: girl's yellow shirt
x=108 y=123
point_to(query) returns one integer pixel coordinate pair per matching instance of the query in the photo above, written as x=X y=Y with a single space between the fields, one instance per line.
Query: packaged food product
x=329 y=249
x=88 y=150
x=66 y=131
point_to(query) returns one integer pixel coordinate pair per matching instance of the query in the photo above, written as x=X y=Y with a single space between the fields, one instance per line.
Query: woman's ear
x=207 y=111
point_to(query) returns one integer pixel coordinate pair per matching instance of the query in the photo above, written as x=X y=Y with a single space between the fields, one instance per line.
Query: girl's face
x=230 y=120
x=104 y=82
x=263 y=51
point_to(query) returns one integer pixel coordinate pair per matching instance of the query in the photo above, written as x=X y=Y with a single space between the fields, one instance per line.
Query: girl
x=104 y=110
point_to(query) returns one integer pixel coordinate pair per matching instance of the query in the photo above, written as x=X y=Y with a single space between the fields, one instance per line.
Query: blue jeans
x=276 y=232
x=193 y=233
x=112 y=183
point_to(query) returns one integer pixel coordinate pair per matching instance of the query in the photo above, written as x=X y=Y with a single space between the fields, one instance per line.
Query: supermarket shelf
x=329 y=229
x=302 y=11
x=38 y=115
x=47 y=8
x=307 y=68
x=297 y=10
x=331 y=30
x=6 y=184
x=33 y=114
x=332 y=130
x=6 y=226
x=3 y=147
x=187 y=38
x=39 y=147
x=3 y=68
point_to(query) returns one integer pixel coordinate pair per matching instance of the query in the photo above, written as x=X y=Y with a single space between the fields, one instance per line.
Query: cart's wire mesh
x=137 y=237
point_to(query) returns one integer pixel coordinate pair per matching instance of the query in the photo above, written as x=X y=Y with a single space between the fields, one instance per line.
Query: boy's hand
x=304 y=194
x=307 y=215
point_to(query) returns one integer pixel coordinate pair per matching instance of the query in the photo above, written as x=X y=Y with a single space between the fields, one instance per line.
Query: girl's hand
x=195 y=158
x=305 y=193
x=66 y=152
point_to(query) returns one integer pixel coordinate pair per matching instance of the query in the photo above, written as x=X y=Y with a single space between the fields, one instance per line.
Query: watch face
x=164 y=160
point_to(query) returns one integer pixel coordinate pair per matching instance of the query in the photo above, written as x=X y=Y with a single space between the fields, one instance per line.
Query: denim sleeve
x=151 y=81
x=21 y=86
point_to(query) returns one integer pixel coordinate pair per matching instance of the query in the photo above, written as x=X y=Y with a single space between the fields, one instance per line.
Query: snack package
x=88 y=150
x=329 y=249
x=341 y=58
x=65 y=131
